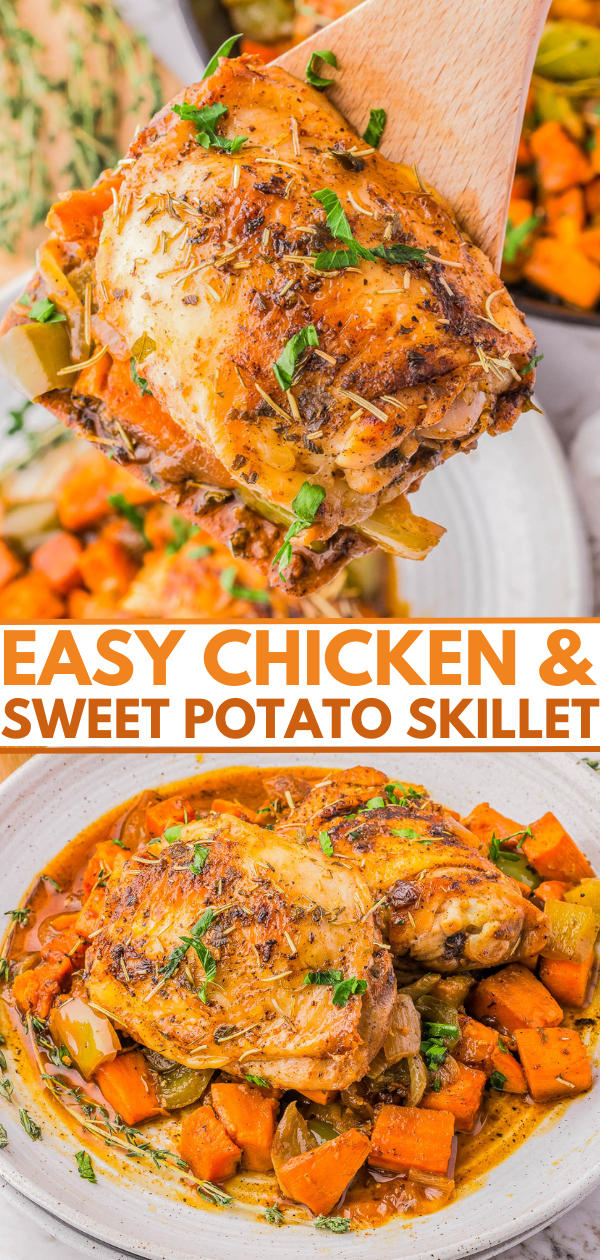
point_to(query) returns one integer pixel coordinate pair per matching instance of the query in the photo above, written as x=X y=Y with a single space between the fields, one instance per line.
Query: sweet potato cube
x=560 y=161
x=504 y=1063
x=30 y=598
x=514 y=998
x=206 y=1147
x=10 y=565
x=462 y=1098
x=477 y=1043
x=220 y=806
x=567 y=981
x=128 y=1085
x=58 y=559
x=106 y=568
x=553 y=854
x=563 y=269
x=409 y=1137
x=554 y=889
x=80 y=213
x=168 y=813
x=486 y=822
x=554 y=1061
x=320 y=1096
x=250 y=1120
x=319 y=1177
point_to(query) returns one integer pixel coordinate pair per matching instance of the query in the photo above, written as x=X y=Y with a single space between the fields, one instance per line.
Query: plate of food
x=305 y=1001
x=360 y=370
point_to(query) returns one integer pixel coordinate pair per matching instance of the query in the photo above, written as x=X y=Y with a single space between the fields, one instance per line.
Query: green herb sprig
x=305 y=506
x=343 y=990
x=45 y=312
x=326 y=843
x=31 y=1128
x=223 y=51
x=19 y=916
x=336 y=1224
x=517 y=235
x=337 y=222
x=205 y=120
x=497 y=1080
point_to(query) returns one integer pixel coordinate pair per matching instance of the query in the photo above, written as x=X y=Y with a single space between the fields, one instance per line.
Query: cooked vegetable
x=35 y=990
x=319 y=1177
x=553 y=888
x=462 y=1098
x=553 y=853
x=477 y=1043
x=321 y=1096
x=206 y=1147
x=485 y=823
x=292 y=1137
x=513 y=998
x=10 y=565
x=404 y=1036
x=453 y=989
x=31 y=356
x=407 y=1137
x=554 y=1061
x=232 y=807
x=587 y=893
x=568 y=981
x=107 y=568
x=58 y=560
x=88 y=1035
x=569 y=50
x=129 y=1086
x=573 y=931
x=249 y=1118
x=168 y=813
x=181 y=1086
x=560 y=162
x=30 y=598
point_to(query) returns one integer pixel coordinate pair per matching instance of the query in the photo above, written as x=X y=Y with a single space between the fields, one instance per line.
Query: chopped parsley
x=498 y=1080
x=199 y=859
x=305 y=507
x=258 y=1080
x=200 y=553
x=205 y=120
x=532 y=363
x=331 y=260
x=84 y=1166
x=45 y=312
x=496 y=850
x=376 y=124
x=286 y=364
x=193 y=941
x=434 y=1053
x=173 y=833
x=517 y=235
x=223 y=51
x=317 y=80
x=119 y=844
x=326 y=843
x=376 y=802
x=229 y=585
x=139 y=380
x=6 y=1088
x=129 y=513
x=435 y=1031
x=343 y=990
x=407 y=833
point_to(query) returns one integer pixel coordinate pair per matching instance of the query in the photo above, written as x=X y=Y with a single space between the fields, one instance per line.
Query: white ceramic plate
x=515 y=546
x=52 y=797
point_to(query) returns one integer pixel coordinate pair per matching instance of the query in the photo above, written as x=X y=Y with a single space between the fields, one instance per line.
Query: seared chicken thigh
x=446 y=904
x=279 y=914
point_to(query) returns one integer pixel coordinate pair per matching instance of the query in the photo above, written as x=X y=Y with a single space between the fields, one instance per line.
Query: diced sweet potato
x=592 y=197
x=462 y=1098
x=10 y=565
x=128 y=1085
x=320 y=1096
x=106 y=568
x=477 y=1043
x=590 y=243
x=83 y=498
x=568 y=982
x=82 y=606
x=552 y=852
x=104 y=860
x=554 y=1061
x=30 y=598
x=554 y=889
x=409 y=1137
x=523 y=186
x=88 y=919
x=514 y=998
x=565 y=270
x=571 y=202
x=250 y=1120
x=58 y=559
x=168 y=813
x=486 y=822
x=560 y=161
x=36 y=990
x=319 y=1177
x=503 y=1062
x=206 y=1147
x=220 y=806
x=80 y=214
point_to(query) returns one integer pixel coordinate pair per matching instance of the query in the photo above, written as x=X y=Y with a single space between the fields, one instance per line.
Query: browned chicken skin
x=447 y=905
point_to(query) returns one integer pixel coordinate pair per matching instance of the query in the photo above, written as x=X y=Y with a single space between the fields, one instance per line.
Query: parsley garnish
x=437 y=1085
x=18 y=418
x=316 y=80
x=139 y=380
x=498 y=1080
x=45 y=312
x=199 y=858
x=274 y=1216
x=199 y=553
x=129 y=513
x=434 y=1054
x=193 y=941
x=516 y=236
x=228 y=584
x=532 y=363
x=258 y=1080
x=376 y=124
x=285 y=366
x=325 y=843
x=495 y=850
x=337 y=1224
x=29 y=1125
x=183 y=531
x=84 y=1166
x=407 y=833
x=173 y=833
x=305 y=506
x=339 y=227
x=19 y=916
x=376 y=802
x=342 y=989
x=205 y=120
x=223 y=51
x=436 y=1031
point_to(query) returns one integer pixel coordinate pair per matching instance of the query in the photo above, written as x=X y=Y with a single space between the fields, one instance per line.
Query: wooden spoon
x=452 y=76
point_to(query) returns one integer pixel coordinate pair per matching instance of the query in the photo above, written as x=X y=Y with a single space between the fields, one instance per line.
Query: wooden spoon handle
x=453 y=77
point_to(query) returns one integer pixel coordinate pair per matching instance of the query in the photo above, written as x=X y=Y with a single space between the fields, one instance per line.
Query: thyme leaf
x=29 y=1125
x=337 y=1224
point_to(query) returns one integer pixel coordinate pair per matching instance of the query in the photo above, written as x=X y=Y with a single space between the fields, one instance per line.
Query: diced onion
x=418 y=1079
x=404 y=1036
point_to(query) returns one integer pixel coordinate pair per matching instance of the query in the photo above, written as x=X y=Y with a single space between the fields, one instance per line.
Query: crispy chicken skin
x=427 y=344
x=282 y=911
x=211 y=256
x=447 y=905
